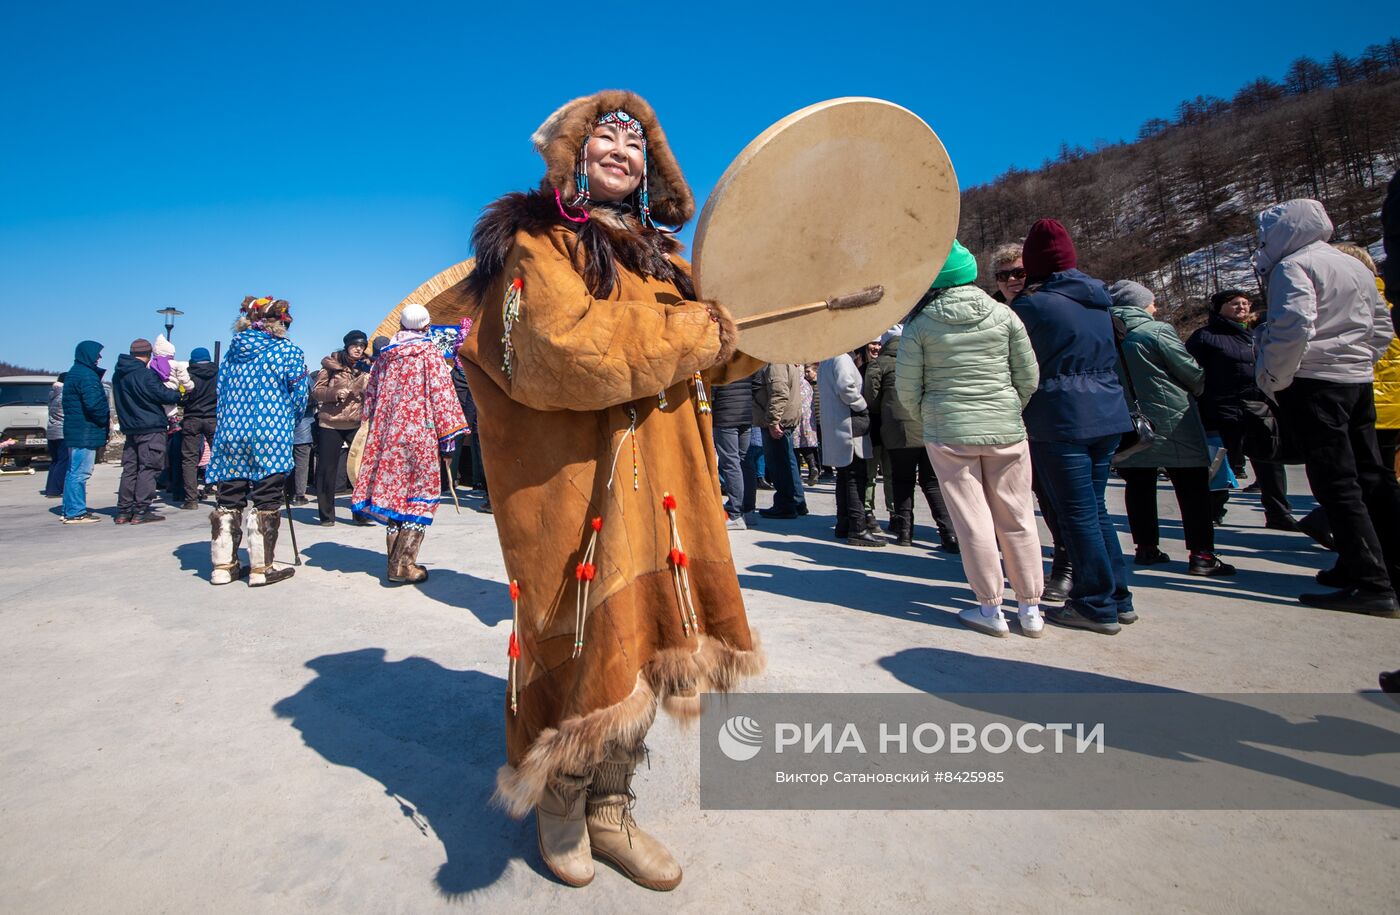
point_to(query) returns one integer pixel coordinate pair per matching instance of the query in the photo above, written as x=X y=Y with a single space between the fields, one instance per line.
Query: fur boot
x=562 y=830
x=391 y=536
x=262 y=545
x=226 y=532
x=615 y=836
x=403 y=566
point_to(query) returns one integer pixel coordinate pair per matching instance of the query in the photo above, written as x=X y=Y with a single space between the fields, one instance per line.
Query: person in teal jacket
x=1165 y=379
x=965 y=371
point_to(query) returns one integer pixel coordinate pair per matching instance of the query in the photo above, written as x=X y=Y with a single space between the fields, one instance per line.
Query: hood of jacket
x=1287 y=227
x=336 y=362
x=1132 y=316
x=409 y=347
x=1078 y=287
x=86 y=353
x=250 y=344
x=203 y=371
x=127 y=363
x=960 y=305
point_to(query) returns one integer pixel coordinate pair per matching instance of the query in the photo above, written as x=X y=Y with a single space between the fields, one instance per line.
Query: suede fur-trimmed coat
x=591 y=361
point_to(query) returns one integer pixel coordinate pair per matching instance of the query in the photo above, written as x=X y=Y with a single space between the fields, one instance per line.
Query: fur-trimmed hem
x=728 y=332
x=675 y=678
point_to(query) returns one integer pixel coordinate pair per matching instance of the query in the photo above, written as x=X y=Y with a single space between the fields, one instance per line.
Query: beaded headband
x=625 y=121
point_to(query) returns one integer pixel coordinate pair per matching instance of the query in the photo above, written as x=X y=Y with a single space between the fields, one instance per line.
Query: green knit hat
x=959 y=268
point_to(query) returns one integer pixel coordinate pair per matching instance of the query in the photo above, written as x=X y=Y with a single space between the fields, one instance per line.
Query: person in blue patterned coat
x=262 y=389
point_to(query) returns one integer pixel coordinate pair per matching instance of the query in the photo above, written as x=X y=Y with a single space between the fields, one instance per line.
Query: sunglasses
x=1016 y=273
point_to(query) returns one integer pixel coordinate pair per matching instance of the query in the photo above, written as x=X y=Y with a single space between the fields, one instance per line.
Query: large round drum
x=839 y=197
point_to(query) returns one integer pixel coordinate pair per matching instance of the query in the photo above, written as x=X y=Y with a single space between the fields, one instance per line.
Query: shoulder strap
x=1120 y=333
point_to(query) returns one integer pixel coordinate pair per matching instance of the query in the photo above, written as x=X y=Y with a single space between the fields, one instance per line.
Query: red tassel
x=578 y=571
x=678 y=558
x=668 y=502
x=515 y=590
x=514 y=650
x=597 y=524
x=589 y=571
x=517 y=282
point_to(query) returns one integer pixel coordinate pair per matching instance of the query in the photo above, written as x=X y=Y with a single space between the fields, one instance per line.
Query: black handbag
x=1143 y=434
x=860 y=423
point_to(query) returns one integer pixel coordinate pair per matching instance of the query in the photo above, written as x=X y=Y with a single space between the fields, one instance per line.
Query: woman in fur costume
x=411 y=410
x=590 y=360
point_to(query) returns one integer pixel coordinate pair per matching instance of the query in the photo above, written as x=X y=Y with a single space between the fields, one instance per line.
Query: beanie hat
x=414 y=317
x=356 y=338
x=1048 y=249
x=199 y=354
x=140 y=347
x=958 y=269
x=380 y=342
x=1126 y=293
x=891 y=334
x=1218 y=300
x=163 y=347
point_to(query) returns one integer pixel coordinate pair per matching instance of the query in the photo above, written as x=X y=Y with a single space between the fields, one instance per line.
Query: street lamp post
x=170 y=315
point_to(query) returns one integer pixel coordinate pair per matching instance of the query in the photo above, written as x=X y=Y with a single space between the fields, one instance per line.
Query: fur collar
x=607 y=241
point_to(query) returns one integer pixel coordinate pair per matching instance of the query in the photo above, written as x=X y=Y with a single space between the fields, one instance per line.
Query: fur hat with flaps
x=563 y=134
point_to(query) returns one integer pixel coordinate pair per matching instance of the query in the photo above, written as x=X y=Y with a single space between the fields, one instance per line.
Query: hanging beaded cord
x=680 y=570
x=624 y=120
x=513 y=651
x=510 y=313
x=702 y=400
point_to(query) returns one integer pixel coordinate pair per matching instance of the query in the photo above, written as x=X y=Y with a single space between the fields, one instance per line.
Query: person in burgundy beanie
x=1048 y=249
x=1074 y=421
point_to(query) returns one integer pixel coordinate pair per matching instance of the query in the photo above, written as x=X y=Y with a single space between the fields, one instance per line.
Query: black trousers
x=265 y=494
x=143 y=456
x=1336 y=424
x=194 y=432
x=1192 y=486
x=850 y=498
x=1047 y=505
x=908 y=465
x=1273 y=479
x=328 y=448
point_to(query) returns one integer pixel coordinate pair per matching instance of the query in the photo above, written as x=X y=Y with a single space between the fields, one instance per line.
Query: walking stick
x=291 y=527
x=451 y=483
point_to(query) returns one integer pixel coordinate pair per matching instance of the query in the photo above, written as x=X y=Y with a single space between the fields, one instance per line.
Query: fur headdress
x=264 y=313
x=563 y=133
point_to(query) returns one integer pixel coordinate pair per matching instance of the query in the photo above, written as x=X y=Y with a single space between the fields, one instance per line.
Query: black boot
x=902 y=528
x=948 y=541
x=1060 y=579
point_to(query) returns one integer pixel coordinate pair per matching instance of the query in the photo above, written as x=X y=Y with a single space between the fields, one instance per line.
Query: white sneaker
x=985 y=618
x=736 y=523
x=1032 y=623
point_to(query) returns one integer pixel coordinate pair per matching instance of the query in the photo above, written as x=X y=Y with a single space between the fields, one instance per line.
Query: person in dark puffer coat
x=87 y=418
x=732 y=406
x=1074 y=422
x=1225 y=350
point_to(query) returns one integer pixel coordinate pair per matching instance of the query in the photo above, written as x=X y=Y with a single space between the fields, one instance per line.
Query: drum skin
x=842 y=195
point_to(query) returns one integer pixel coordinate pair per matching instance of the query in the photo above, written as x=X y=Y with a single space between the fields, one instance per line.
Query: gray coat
x=839 y=384
x=1326 y=319
x=54 y=432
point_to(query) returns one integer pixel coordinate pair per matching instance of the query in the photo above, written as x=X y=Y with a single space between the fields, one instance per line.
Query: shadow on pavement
x=433 y=737
x=1200 y=727
x=487 y=600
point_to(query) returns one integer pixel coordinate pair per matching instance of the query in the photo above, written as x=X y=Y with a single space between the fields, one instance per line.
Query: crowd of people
x=601 y=397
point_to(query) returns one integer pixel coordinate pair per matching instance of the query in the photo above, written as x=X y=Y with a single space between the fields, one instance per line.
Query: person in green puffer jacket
x=965 y=371
x=1165 y=379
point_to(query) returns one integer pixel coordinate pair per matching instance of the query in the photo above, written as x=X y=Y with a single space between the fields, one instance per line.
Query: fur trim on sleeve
x=728 y=332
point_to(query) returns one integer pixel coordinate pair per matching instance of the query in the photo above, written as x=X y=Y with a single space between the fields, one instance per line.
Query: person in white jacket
x=839 y=384
x=1327 y=327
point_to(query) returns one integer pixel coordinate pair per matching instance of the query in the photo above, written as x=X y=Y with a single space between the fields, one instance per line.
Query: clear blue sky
x=337 y=155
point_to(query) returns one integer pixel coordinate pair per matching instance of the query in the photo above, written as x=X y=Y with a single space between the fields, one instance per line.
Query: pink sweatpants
x=988 y=492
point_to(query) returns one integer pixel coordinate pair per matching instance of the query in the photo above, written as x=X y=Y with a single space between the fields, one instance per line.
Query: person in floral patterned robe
x=411 y=413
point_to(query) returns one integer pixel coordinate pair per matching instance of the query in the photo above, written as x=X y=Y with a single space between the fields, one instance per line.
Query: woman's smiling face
x=615 y=159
